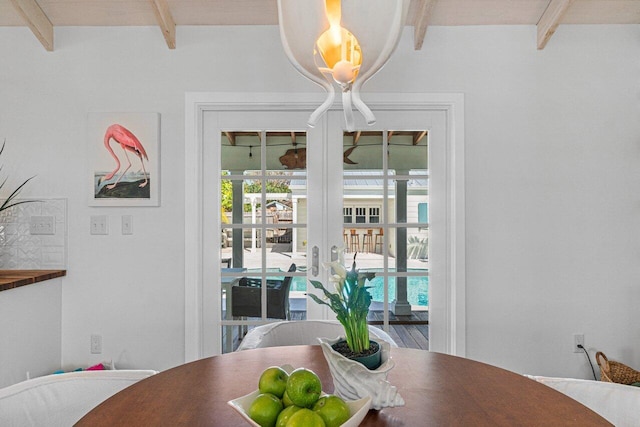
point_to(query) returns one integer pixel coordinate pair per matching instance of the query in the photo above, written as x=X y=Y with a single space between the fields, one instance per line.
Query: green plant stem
x=351 y=305
x=357 y=333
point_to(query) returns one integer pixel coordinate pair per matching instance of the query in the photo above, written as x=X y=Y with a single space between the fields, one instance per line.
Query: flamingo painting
x=129 y=143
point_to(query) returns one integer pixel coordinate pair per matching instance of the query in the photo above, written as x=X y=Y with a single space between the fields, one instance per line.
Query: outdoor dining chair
x=246 y=297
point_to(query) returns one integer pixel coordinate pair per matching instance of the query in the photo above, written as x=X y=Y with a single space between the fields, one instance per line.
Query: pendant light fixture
x=341 y=42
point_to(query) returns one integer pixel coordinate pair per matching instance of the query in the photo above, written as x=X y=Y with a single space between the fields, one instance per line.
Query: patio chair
x=303 y=332
x=246 y=297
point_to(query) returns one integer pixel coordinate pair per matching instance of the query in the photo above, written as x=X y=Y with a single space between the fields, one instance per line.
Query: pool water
x=417 y=289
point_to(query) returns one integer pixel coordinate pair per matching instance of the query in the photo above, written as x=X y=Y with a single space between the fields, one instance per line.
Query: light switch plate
x=99 y=225
x=127 y=224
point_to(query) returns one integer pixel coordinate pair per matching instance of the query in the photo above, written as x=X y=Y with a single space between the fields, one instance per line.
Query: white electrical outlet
x=96 y=344
x=42 y=225
x=578 y=339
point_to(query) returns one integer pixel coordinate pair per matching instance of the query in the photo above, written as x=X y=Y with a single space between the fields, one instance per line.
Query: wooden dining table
x=438 y=389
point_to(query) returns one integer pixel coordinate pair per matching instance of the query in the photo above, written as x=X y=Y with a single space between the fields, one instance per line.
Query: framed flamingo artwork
x=124 y=156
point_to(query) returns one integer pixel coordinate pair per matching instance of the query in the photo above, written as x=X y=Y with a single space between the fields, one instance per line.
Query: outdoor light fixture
x=343 y=42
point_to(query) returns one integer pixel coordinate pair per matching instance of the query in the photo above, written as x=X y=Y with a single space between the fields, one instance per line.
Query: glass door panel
x=385 y=211
x=263 y=185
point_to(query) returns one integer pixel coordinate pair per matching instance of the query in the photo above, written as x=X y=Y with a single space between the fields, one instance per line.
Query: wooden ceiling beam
x=418 y=136
x=165 y=21
x=231 y=137
x=390 y=135
x=425 y=10
x=550 y=20
x=356 y=137
x=37 y=20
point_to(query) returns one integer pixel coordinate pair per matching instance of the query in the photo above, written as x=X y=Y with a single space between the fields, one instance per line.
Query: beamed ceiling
x=416 y=136
x=42 y=16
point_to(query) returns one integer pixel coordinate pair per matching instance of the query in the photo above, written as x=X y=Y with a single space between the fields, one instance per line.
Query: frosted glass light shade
x=369 y=32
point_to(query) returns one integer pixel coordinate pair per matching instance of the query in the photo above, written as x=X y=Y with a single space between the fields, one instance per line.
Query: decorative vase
x=371 y=361
x=352 y=380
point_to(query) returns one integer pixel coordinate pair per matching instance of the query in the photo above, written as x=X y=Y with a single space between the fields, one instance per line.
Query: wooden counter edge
x=10 y=279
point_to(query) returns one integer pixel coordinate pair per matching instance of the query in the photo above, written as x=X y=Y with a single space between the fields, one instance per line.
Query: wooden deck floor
x=407 y=331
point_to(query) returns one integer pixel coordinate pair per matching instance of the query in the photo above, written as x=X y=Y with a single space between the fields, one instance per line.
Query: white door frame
x=447 y=317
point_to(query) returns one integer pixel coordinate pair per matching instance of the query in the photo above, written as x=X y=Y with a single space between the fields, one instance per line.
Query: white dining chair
x=617 y=403
x=60 y=400
x=301 y=332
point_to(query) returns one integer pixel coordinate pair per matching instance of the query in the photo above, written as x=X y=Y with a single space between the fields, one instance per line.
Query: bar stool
x=367 y=241
x=345 y=237
x=379 y=240
x=355 y=240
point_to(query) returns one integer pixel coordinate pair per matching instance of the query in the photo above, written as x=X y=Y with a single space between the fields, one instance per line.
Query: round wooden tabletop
x=439 y=390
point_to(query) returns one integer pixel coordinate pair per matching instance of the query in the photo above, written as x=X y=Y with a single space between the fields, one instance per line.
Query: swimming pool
x=417 y=289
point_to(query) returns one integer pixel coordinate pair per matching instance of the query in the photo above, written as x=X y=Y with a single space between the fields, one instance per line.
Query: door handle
x=334 y=253
x=315 y=260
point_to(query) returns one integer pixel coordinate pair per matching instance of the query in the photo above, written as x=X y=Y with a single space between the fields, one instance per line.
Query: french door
x=272 y=199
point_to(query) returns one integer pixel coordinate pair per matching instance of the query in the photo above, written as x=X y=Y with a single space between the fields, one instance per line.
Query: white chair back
x=302 y=332
x=60 y=400
x=617 y=403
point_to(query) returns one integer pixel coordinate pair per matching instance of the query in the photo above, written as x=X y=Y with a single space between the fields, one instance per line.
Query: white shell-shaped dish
x=352 y=380
x=358 y=408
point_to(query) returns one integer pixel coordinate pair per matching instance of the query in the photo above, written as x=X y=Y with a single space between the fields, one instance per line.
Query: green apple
x=305 y=418
x=285 y=400
x=273 y=380
x=285 y=414
x=303 y=387
x=333 y=410
x=264 y=409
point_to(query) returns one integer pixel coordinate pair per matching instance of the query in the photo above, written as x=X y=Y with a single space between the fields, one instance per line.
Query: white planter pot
x=352 y=380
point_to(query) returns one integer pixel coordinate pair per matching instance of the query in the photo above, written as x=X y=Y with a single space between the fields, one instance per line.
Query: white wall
x=30 y=336
x=553 y=172
x=552 y=178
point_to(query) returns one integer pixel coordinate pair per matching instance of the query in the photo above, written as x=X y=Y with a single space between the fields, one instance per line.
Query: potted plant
x=10 y=202
x=358 y=365
x=351 y=303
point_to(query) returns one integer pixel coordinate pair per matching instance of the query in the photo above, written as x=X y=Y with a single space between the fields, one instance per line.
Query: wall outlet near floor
x=96 y=344
x=578 y=339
